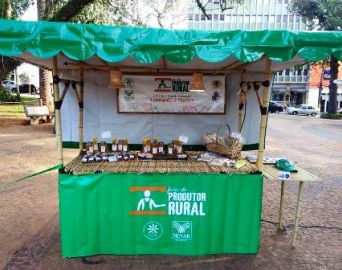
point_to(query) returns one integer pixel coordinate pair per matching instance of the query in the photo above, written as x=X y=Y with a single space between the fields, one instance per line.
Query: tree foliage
x=18 y=7
x=325 y=14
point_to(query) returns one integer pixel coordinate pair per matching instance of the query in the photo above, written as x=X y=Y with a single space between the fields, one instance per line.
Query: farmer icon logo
x=147 y=203
x=153 y=230
x=181 y=230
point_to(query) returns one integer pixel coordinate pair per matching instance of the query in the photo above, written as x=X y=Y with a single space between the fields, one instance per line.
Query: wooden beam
x=263 y=121
x=57 y=109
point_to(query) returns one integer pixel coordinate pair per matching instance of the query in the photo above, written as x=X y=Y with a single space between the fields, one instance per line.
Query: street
x=29 y=220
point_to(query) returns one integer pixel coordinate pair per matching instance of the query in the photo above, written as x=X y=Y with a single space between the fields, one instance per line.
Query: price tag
x=283 y=175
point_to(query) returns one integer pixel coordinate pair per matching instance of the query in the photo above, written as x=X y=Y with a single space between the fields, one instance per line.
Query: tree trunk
x=44 y=75
x=332 y=108
x=8 y=9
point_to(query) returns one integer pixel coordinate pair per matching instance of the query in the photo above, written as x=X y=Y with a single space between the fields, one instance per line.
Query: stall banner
x=180 y=214
x=171 y=94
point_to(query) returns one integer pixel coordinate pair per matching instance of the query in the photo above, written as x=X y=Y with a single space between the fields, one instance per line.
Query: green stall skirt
x=178 y=214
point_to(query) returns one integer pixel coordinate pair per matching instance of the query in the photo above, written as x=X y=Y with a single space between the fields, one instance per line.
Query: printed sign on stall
x=171 y=94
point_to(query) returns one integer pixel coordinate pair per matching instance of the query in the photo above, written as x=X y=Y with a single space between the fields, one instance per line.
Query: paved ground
x=29 y=227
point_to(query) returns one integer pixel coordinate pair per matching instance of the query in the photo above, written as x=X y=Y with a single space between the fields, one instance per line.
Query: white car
x=10 y=85
x=303 y=109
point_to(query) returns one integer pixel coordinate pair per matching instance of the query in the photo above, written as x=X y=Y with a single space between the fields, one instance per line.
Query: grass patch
x=16 y=110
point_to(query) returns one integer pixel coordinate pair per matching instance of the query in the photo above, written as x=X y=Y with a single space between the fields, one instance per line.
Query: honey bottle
x=114 y=145
x=95 y=146
x=125 y=144
x=120 y=145
x=103 y=147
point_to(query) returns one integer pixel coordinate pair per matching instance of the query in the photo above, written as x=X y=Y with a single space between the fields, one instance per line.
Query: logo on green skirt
x=153 y=230
x=181 y=230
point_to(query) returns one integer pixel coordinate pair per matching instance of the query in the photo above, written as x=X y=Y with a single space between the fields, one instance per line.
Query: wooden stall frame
x=57 y=100
x=263 y=121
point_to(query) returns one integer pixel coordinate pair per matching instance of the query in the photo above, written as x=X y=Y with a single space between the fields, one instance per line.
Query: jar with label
x=90 y=148
x=114 y=145
x=170 y=149
x=125 y=144
x=120 y=145
x=95 y=146
x=179 y=147
x=161 y=148
x=103 y=147
x=154 y=147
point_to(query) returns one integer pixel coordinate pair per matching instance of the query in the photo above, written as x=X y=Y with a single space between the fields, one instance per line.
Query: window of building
x=221 y=17
x=215 y=17
x=305 y=72
x=203 y=17
x=286 y=2
x=210 y=17
x=190 y=17
x=197 y=17
x=253 y=19
x=280 y=73
x=278 y=18
x=272 y=18
x=259 y=19
x=285 y=18
x=297 y=18
x=287 y=72
x=299 y=72
x=279 y=1
x=216 y=1
x=265 y=20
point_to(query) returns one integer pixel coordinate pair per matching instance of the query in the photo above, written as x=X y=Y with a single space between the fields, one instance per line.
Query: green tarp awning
x=147 y=45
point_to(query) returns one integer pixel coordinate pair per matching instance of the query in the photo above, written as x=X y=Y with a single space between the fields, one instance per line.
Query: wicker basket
x=231 y=147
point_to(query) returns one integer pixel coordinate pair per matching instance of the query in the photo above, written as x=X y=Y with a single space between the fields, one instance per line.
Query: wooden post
x=57 y=109
x=81 y=104
x=263 y=121
x=299 y=201
x=240 y=108
x=281 y=207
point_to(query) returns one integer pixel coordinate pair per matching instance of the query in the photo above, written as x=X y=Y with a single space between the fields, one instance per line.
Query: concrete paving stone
x=29 y=225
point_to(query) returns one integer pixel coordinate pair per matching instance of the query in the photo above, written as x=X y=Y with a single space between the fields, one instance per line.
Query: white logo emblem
x=181 y=230
x=153 y=230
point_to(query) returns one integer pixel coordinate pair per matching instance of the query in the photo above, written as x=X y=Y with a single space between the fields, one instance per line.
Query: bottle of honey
x=148 y=145
x=95 y=146
x=114 y=145
x=103 y=147
x=120 y=145
x=125 y=144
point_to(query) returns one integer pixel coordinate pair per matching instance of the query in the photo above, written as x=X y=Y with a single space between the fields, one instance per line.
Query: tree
x=324 y=15
x=10 y=10
x=223 y=5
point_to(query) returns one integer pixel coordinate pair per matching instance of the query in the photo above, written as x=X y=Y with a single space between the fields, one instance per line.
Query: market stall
x=138 y=103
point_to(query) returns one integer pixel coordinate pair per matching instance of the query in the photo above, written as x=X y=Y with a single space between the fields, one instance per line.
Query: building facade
x=319 y=86
x=289 y=85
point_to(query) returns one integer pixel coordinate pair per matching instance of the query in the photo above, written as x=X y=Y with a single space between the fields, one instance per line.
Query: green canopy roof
x=114 y=44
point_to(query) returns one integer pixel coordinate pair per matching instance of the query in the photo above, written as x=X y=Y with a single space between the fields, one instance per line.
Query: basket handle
x=218 y=130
